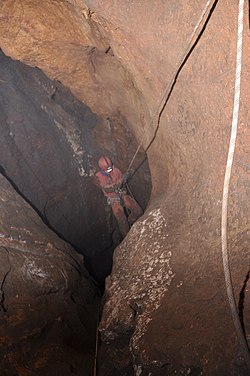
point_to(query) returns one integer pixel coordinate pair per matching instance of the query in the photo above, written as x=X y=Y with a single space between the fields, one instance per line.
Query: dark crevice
x=2 y=292
x=242 y=301
x=49 y=151
x=39 y=159
x=41 y=215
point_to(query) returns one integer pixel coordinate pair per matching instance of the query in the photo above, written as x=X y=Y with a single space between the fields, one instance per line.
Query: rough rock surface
x=166 y=310
x=166 y=296
x=48 y=303
x=49 y=147
x=77 y=54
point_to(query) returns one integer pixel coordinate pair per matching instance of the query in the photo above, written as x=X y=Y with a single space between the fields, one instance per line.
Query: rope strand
x=225 y=258
x=166 y=93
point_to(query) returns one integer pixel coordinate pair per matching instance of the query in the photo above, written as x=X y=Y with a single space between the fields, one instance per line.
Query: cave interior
x=152 y=87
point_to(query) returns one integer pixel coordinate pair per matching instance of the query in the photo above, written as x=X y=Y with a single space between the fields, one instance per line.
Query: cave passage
x=161 y=77
x=49 y=149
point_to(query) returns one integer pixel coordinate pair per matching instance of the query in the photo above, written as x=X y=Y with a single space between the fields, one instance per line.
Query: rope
x=160 y=108
x=228 y=281
x=96 y=344
x=166 y=94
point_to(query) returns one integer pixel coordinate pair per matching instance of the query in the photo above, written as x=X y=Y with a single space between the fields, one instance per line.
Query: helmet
x=105 y=164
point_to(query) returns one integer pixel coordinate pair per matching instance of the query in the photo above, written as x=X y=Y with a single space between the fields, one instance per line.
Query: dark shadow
x=242 y=300
x=40 y=214
x=38 y=161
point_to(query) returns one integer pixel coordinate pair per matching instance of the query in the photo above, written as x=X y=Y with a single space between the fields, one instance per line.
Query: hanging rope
x=156 y=118
x=228 y=281
x=198 y=29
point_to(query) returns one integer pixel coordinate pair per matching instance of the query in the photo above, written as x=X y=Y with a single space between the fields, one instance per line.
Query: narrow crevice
x=242 y=301
x=52 y=166
x=2 y=292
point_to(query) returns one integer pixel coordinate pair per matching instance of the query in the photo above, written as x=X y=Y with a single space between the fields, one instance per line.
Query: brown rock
x=166 y=309
x=48 y=303
x=49 y=147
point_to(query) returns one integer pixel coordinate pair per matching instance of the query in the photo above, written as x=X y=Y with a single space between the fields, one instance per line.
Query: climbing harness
x=198 y=29
x=120 y=191
x=228 y=280
x=112 y=200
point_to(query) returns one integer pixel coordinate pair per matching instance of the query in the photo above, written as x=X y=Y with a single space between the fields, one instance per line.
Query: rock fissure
x=42 y=269
x=2 y=298
x=165 y=309
x=194 y=40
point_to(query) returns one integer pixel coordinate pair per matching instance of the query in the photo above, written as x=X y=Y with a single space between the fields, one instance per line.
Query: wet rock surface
x=49 y=304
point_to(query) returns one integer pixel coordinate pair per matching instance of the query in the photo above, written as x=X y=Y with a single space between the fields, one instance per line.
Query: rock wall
x=77 y=54
x=49 y=147
x=166 y=310
x=166 y=296
x=48 y=303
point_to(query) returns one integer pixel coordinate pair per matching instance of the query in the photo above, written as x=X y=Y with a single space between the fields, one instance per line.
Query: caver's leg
x=121 y=218
x=134 y=209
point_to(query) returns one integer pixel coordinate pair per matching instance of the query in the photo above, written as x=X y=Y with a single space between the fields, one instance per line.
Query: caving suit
x=118 y=199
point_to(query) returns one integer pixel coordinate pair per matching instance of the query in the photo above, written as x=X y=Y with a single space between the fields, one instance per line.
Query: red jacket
x=109 y=181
